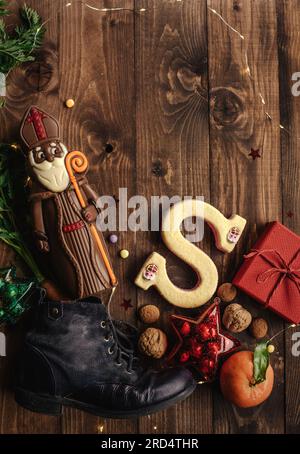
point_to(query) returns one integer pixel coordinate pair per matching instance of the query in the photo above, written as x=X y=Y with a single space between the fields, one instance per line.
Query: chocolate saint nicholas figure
x=62 y=228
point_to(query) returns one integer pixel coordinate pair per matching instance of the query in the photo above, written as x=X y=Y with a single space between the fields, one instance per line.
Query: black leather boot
x=75 y=357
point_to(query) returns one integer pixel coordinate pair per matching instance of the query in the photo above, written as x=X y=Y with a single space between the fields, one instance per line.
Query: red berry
x=206 y=367
x=185 y=329
x=184 y=357
x=197 y=350
x=203 y=330
x=213 y=348
x=213 y=332
x=207 y=331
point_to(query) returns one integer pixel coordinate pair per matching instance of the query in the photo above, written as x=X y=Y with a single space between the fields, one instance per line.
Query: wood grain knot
x=109 y=148
x=182 y=78
x=226 y=108
x=158 y=170
x=113 y=22
x=184 y=82
x=40 y=74
x=236 y=5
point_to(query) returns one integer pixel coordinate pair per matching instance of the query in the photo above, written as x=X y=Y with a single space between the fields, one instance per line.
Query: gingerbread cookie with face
x=61 y=228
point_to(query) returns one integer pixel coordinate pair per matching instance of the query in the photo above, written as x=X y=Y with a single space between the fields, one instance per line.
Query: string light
x=101 y=426
x=247 y=69
x=282 y=331
x=100 y=429
x=102 y=10
x=226 y=23
x=261 y=97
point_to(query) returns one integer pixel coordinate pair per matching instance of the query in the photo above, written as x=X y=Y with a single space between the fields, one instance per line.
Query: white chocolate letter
x=153 y=272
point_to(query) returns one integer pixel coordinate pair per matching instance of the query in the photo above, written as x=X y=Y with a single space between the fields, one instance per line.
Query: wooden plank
x=174 y=156
x=239 y=184
x=288 y=14
x=85 y=58
x=97 y=69
x=172 y=153
x=22 y=90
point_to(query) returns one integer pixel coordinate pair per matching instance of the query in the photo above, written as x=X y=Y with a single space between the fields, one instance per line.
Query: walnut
x=153 y=342
x=227 y=292
x=259 y=328
x=149 y=313
x=236 y=318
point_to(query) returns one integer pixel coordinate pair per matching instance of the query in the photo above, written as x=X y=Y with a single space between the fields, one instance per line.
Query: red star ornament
x=126 y=304
x=254 y=154
x=201 y=347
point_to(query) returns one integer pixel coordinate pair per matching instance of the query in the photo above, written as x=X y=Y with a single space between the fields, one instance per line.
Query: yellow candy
x=124 y=254
x=271 y=348
x=70 y=103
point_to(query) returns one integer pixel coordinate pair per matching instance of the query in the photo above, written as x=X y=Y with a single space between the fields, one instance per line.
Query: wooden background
x=165 y=104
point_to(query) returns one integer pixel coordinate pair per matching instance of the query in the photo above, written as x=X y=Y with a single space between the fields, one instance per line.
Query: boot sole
x=53 y=405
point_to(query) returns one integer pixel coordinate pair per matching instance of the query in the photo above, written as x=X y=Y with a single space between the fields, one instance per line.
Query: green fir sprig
x=13 y=211
x=3 y=10
x=17 y=48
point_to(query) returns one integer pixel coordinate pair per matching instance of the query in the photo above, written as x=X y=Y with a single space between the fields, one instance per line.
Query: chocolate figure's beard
x=52 y=175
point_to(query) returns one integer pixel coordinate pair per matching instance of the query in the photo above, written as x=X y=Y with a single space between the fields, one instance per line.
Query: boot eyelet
x=118 y=364
x=129 y=372
x=103 y=324
x=110 y=351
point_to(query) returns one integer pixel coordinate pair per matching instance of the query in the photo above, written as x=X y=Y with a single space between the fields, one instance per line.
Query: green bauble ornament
x=11 y=291
x=14 y=294
x=17 y=310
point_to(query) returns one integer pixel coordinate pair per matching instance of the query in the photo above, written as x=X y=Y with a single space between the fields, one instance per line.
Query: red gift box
x=270 y=272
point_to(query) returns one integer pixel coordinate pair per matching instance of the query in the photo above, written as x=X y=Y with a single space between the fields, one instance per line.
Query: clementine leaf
x=261 y=362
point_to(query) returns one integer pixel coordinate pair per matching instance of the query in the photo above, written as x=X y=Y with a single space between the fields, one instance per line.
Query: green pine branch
x=13 y=207
x=3 y=10
x=17 y=48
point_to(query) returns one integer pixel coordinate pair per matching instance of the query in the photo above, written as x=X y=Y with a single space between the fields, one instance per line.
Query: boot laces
x=117 y=346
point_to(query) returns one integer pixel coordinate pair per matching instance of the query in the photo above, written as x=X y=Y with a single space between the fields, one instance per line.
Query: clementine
x=238 y=385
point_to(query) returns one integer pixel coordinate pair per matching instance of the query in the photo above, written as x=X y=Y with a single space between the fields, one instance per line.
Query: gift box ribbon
x=283 y=269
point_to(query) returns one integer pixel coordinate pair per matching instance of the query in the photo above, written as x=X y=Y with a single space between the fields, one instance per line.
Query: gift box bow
x=284 y=269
